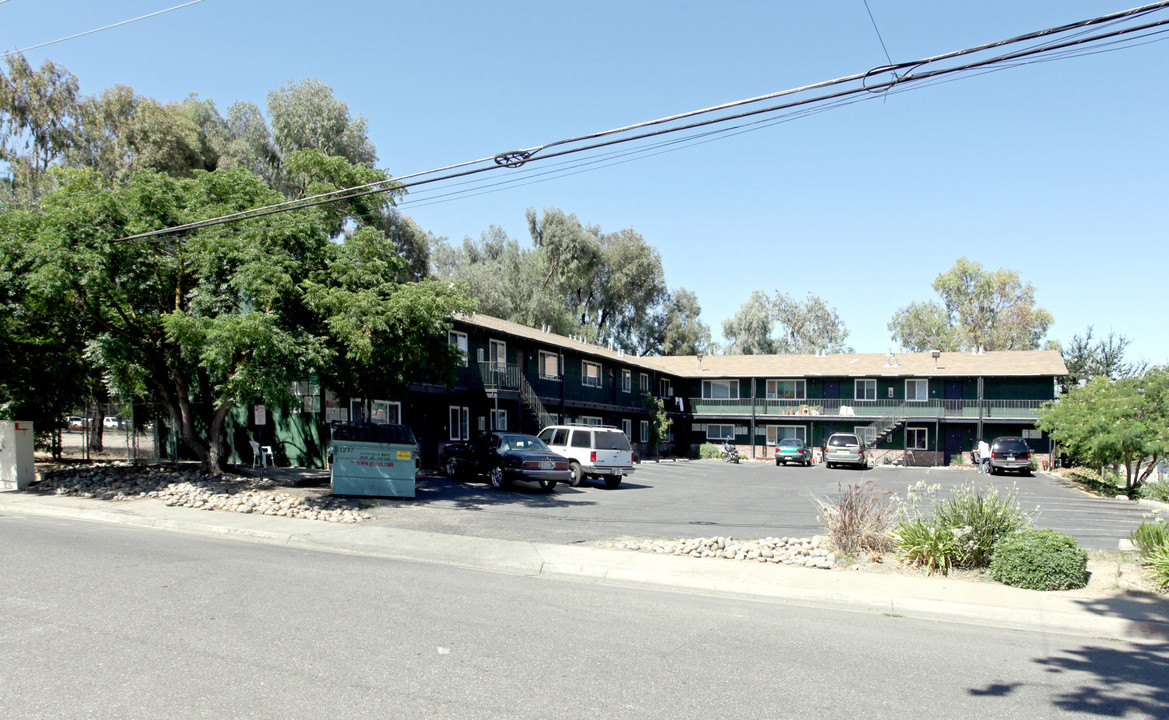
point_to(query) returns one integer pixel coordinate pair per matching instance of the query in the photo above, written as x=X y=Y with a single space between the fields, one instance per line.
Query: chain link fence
x=108 y=431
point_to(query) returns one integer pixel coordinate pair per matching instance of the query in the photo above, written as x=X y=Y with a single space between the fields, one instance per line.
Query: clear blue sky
x=1058 y=170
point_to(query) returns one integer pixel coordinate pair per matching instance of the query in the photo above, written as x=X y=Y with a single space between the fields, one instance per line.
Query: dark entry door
x=953 y=446
x=953 y=398
x=831 y=389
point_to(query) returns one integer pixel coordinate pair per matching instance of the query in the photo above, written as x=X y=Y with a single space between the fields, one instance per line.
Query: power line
x=95 y=30
x=911 y=72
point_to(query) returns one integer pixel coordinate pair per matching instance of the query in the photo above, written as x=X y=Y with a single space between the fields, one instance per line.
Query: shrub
x=859 y=518
x=926 y=544
x=1040 y=560
x=1150 y=536
x=1158 y=561
x=978 y=518
x=709 y=451
x=1158 y=491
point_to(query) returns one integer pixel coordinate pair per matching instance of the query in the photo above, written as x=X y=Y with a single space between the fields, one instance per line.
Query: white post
x=17 y=467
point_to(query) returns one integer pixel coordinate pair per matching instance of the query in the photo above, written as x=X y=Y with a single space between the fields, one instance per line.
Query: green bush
x=1158 y=561
x=1150 y=536
x=1040 y=560
x=921 y=542
x=709 y=451
x=1158 y=491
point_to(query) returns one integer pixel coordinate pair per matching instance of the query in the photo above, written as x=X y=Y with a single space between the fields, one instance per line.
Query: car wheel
x=777 y=463
x=612 y=482
x=828 y=465
x=576 y=474
x=452 y=468
x=807 y=463
x=496 y=477
x=547 y=485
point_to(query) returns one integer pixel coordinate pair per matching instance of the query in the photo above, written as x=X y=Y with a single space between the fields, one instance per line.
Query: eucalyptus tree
x=979 y=310
x=784 y=326
x=38 y=117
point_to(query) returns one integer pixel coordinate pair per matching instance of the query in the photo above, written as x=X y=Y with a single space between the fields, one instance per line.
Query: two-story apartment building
x=913 y=408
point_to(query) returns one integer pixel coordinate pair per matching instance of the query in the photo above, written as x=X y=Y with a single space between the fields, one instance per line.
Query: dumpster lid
x=373 y=432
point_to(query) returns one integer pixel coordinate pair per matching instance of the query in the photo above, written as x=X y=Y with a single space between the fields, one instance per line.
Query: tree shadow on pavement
x=478 y=493
x=1136 y=606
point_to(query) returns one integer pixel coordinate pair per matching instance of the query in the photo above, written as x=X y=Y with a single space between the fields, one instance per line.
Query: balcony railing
x=774 y=407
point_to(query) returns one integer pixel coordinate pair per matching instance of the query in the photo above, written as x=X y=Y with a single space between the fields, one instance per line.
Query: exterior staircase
x=882 y=429
x=508 y=378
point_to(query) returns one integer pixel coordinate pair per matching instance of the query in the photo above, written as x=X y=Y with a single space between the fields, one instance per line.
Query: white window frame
x=917 y=383
x=498 y=419
x=590 y=420
x=459 y=423
x=644 y=386
x=708 y=386
x=386 y=404
x=626 y=381
x=497 y=353
x=865 y=383
x=645 y=431
x=584 y=373
x=627 y=428
x=666 y=387
x=459 y=340
x=773 y=435
x=555 y=358
x=721 y=427
x=924 y=438
x=800 y=391
x=867 y=434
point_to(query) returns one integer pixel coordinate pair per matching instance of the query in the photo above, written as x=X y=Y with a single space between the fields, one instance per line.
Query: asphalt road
x=705 y=498
x=104 y=621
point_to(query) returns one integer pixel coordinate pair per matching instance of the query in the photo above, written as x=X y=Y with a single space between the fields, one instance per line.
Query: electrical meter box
x=373 y=460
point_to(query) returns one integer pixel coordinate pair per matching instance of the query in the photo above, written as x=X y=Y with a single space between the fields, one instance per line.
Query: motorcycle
x=731 y=456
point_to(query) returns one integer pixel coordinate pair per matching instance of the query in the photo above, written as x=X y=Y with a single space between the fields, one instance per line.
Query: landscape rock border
x=798 y=552
x=193 y=489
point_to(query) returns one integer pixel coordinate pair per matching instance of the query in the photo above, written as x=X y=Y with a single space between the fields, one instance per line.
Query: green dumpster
x=373 y=460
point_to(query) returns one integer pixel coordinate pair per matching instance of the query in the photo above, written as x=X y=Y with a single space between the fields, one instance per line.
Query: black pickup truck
x=503 y=457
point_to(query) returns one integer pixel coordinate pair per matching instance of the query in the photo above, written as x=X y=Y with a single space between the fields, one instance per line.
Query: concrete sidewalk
x=1129 y=615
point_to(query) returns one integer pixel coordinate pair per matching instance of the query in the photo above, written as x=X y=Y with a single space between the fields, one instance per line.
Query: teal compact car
x=792 y=450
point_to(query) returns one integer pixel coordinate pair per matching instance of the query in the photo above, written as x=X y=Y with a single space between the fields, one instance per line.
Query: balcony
x=926 y=409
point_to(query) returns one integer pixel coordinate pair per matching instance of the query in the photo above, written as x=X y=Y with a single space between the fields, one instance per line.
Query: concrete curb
x=916 y=597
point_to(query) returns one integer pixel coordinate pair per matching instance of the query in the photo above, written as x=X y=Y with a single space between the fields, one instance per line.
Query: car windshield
x=523 y=442
x=1010 y=445
x=611 y=441
x=842 y=441
x=790 y=443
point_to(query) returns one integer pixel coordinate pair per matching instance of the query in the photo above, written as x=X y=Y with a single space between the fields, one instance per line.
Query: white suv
x=592 y=451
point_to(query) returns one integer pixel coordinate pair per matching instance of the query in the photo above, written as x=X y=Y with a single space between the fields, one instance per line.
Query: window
x=915 y=438
x=589 y=420
x=590 y=373
x=498 y=353
x=627 y=427
x=645 y=431
x=867 y=434
x=720 y=432
x=460 y=427
x=666 y=389
x=917 y=390
x=499 y=419
x=386 y=412
x=459 y=341
x=787 y=389
x=582 y=439
x=549 y=366
x=626 y=380
x=775 y=433
x=357 y=411
x=1032 y=434
x=644 y=386
x=720 y=389
x=866 y=390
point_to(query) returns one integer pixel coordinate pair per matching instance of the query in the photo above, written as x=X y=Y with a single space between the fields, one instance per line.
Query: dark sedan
x=504 y=457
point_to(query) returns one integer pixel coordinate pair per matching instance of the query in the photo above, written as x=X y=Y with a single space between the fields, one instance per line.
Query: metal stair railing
x=885 y=424
x=498 y=376
x=533 y=401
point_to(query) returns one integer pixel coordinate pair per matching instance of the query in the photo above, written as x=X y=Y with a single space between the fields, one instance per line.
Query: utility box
x=17 y=463
x=373 y=460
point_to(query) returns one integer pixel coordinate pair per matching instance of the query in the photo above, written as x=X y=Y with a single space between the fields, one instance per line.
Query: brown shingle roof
x=949 y=364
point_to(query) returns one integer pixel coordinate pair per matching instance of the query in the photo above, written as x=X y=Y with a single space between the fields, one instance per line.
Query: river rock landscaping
x=798 y=552
x=194 y=489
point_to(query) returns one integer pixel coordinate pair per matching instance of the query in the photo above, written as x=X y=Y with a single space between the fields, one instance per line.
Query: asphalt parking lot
x=703 y=498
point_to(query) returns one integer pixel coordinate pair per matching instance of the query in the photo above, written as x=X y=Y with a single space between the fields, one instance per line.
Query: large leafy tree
x=204 y=321
x=784 y=326
x=38 y=117
x=978 y=310
x=1109 y=422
